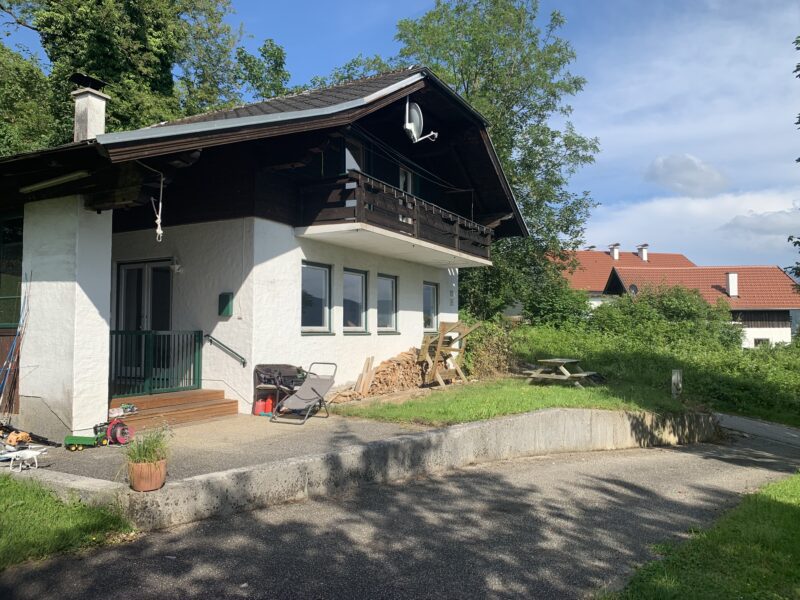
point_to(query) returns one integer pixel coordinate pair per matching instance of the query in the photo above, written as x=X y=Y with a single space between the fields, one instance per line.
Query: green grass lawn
x=485 y=400
x=752 y=552
x=34 y=523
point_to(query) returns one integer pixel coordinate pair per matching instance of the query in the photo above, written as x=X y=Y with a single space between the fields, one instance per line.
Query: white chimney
x=733 y=284
x=641 y=250
x=613 y=250
x=90 y=113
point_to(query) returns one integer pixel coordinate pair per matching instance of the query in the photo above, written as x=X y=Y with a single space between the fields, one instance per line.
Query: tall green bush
x=668 y=315
x=489 y=351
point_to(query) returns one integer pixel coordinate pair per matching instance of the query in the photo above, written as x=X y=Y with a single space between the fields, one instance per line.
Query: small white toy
x=25 y=459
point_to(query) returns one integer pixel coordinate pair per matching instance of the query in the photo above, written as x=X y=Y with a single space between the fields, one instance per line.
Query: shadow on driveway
x=551 y=527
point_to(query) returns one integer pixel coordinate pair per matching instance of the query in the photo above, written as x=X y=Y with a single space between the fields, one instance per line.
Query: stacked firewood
x=401 y=372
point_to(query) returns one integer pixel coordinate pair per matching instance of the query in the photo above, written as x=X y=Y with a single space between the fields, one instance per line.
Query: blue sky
x=693 y=101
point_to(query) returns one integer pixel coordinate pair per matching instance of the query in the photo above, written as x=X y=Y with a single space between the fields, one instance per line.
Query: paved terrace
x=559 y=526
x=238 y=441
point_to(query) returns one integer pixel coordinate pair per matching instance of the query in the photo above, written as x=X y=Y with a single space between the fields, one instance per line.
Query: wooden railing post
x=416 y=218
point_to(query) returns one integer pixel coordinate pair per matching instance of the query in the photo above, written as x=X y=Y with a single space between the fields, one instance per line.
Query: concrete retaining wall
x=530 y=434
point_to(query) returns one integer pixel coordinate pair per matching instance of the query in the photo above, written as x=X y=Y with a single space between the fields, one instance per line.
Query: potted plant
x=147 y=460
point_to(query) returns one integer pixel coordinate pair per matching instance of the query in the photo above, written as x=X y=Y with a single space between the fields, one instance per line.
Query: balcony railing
x=363 y=199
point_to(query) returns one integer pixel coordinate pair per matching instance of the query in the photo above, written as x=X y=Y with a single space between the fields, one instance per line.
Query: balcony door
x=144 y=296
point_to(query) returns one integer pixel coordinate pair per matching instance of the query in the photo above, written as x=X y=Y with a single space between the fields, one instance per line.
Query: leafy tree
x=25 y=121
x=264 y=75
x=132 y=46
x=795 y=270
x=207 y=70
x=497 y=56
x=356 y=68
x=555 y=302
x=161 y=58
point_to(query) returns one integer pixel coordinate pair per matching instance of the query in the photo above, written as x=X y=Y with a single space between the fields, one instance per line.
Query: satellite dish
x=633 y=289
x=413 y=124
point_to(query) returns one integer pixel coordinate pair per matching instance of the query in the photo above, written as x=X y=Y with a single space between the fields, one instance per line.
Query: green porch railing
x=150 y=362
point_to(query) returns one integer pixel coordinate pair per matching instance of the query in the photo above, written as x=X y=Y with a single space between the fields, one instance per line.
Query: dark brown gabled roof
x=323 y=97
x=320 y=109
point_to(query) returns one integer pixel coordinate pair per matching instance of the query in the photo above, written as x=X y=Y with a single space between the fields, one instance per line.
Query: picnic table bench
x=559 y=370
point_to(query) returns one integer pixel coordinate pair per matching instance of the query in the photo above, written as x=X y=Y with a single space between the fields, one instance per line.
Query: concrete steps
x=177 y=408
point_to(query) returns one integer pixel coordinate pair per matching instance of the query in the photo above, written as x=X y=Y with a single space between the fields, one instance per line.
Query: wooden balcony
x=358 y=198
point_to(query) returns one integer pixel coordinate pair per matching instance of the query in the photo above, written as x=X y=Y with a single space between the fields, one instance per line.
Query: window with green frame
x=10 y=269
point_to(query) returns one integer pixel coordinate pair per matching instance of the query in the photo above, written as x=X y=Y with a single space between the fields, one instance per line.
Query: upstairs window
x=430 y=306
x=315 y=297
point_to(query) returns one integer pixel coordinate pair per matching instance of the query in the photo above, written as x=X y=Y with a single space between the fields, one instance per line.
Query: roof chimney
x=732 y=284
x=90 y=107
x=90 y=113
x=641 y=250
x=613 y=250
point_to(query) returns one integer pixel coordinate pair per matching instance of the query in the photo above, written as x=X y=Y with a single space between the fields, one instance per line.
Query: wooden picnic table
x=555 y=369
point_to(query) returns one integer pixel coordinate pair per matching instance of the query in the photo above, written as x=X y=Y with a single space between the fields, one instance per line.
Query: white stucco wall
x=278 y=261
x=214 y=257
x=773 y=334
x=64 y=356
x=260 y=261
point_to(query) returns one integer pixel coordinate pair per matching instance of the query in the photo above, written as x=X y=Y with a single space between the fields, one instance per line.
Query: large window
x=430 y=306
x=354 y=301
x=315 y=300
x=387 y=303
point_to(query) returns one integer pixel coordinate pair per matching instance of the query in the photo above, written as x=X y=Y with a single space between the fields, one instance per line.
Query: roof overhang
x=384 y=242
x=109 y=140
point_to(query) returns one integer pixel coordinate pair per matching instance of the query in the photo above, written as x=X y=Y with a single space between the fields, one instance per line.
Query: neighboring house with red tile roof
x=761 y=298
x=595 y=266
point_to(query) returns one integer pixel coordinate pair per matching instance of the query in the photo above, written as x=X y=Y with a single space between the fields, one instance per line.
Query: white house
x=762 y=298
x=304 y=228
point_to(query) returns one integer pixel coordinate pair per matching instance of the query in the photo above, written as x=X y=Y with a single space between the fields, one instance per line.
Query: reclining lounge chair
x=307 y=399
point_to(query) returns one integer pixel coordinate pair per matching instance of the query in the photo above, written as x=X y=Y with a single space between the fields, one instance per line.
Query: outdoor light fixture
x=35 y=187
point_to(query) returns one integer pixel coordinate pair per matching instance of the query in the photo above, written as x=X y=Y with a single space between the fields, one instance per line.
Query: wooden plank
x=359 y=386
x=368 y=379
x=169 y=398
x=550 y=376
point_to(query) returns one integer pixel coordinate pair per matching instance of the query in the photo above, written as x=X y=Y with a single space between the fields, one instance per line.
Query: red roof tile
x=759 y=287
x=595 y=266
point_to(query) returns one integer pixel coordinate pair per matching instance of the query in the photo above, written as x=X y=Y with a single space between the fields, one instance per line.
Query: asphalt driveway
x=562 y=526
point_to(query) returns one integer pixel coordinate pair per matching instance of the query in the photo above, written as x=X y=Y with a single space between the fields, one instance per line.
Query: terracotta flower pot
x=147 y=477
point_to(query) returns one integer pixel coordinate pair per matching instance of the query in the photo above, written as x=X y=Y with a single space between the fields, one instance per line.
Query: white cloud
x=712 y=79
x=730 y=228
x=686 y=174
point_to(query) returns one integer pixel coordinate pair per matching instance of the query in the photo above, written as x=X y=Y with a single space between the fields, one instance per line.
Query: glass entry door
x=147 y=356
x=144 y=292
